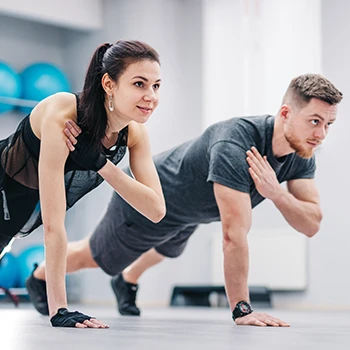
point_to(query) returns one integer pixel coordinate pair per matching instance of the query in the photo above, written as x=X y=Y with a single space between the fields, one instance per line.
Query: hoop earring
x=110 y=103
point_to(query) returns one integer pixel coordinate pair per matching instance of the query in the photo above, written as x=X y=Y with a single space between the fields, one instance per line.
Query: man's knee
x=82 y=254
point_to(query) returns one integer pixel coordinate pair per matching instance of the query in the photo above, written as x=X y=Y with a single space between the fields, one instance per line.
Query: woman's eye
x=156 y=86
x=139 y=84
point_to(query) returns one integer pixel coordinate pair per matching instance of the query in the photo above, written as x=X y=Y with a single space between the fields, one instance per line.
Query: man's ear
x=284 y=112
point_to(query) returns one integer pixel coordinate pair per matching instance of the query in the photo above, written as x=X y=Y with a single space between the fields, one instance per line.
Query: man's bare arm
x=235 y=213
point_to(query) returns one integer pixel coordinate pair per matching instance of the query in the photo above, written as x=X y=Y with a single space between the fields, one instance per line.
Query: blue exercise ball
x=10 y=86
x=27 y=259
x=9 y=271
x=40 y=80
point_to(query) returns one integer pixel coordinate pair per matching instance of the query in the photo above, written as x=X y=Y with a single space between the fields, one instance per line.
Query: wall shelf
x=18 y=102
x=70 y=14
x=16 y=291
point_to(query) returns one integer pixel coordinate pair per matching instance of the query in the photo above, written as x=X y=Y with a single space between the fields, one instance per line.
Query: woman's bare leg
x=78 y=257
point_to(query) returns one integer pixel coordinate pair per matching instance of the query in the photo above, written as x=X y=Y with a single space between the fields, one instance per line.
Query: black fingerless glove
x=87 y=155
x=64 y=318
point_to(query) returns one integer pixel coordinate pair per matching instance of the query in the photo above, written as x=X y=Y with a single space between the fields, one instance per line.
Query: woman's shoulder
x=61 y=105
x=136 y=133
x=58 y=107
x=61 y=101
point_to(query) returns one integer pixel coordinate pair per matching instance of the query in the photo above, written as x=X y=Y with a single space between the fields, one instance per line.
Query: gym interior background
x=220 y=58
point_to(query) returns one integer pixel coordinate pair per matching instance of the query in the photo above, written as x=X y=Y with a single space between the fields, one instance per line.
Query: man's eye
x=314 y=121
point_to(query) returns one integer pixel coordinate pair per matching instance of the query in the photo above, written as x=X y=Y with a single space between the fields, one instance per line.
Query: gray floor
x=174 y=328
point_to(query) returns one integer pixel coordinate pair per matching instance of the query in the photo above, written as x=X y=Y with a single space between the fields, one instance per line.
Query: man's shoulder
x=252 y=121
x=249 y=122
x=243 y=130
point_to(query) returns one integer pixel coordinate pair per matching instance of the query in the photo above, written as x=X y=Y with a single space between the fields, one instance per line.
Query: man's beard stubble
x=300 y=150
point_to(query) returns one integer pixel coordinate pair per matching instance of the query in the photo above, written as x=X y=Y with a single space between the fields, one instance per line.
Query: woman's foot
x=37 y=293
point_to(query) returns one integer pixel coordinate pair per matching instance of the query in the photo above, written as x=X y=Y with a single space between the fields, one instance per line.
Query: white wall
x=252 y=49
x=329 y=282
x=23 y=42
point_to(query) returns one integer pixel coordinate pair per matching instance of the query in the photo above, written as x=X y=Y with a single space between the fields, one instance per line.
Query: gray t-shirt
x=187 y=172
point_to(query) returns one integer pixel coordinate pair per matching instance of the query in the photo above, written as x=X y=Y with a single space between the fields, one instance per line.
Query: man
x=232 y=167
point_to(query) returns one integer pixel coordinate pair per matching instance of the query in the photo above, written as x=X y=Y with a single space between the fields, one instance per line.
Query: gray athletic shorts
x=117 y=242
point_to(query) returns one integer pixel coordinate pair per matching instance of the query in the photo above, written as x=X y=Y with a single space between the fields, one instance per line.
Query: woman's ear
x=107 y=83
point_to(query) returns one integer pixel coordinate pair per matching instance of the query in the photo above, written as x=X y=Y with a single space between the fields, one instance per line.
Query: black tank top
x=19 y=185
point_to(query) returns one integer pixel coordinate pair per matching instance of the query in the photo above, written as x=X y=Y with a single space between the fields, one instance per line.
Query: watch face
x=244 y=308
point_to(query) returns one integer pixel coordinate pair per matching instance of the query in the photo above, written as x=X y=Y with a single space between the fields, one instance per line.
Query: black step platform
x=215 y=296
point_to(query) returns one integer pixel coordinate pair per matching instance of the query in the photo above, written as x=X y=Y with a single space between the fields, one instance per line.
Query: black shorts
x=21 y=202
x=117 y=242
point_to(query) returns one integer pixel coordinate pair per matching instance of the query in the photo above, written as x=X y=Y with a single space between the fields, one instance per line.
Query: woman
x=120 y=93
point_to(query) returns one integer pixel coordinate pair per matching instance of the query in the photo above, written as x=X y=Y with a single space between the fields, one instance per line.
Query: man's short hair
x=305 y=87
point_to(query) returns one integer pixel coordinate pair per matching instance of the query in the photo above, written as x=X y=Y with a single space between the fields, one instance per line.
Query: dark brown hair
x=305 y=87
x=114 y=60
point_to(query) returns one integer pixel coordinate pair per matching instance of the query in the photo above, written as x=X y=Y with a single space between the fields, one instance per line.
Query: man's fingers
x=250 y=321
x=256 y=153
x=255 y=160
x=254 y=166
x=261 y=320
x=281 y=323
x=275 y=322
x=254 y=176
x=271 y=322
x=267 y=163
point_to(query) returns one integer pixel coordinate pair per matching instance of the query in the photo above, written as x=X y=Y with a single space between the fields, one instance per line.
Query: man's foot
x=126 y=296
x=37 y=293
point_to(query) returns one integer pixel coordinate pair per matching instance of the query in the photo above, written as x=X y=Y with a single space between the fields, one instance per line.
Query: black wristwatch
x=242 y=309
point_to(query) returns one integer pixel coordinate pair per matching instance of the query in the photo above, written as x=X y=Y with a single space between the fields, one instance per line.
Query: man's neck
x=280 y=145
